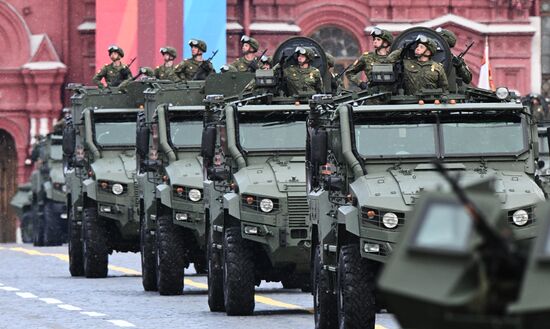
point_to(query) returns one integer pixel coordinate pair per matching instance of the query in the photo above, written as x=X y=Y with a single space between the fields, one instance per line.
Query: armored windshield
x=186 y=133
x=395 y=140
x=115 y=129
x=284 y=131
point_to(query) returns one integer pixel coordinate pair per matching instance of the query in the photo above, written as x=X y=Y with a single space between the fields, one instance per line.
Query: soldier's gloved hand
x=457 y=61
x=363 y=85
x=253 y=66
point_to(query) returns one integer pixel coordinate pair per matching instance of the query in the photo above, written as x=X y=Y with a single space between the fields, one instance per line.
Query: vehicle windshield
x=115 y=131
x=395 y=140
x=272 y=131
x=56 y=152
x=186 y=133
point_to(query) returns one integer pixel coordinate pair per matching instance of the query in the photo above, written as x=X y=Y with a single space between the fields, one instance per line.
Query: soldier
x=381 y=41
x=422 y=72
x=266 y=62
x=114 y=73
x=303 y=78
x=462 y=70
x=166 y=70
x=195 y=68
x=143 y=74
x=334 y=80
x=248 y=62
x=228 y=68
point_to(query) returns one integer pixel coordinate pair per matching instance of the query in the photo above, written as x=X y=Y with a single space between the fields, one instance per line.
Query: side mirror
x=208 y=142
x=318 y=147
x=217 y=174
x=69 y=141
x=142 y=141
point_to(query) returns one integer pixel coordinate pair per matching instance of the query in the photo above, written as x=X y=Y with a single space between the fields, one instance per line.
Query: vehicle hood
x=273 y=177
x=120 y=168
x=186 y=171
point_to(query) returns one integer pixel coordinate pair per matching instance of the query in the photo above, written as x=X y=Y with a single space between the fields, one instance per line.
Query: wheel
x=238 y=273
x=76 y=253
x=170 y=256
x=53 y=231
x=324 y=301
x=96 y=252
x=148 y=257
x=355 y=286
x=201 y=265
x=38 y=226
x=26 y=226
x=215 y=276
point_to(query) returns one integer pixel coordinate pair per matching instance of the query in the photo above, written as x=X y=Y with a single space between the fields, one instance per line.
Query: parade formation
x=403 y=189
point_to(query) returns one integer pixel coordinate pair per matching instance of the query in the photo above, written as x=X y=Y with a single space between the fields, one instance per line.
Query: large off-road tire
x=355 y=287
x=76 y=252
x=38 y=226
x=238 y=273
x=148 y=258
x=215 y=276
x=53 y=225
x=170 y=256
x=96 y=251
x=26 y=226
x=324 y=300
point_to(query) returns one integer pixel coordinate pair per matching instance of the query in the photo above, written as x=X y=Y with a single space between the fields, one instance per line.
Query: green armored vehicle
x=48 y=192
x=21 y=203
x=371 y=158
x=99 y=145
x=255 y=189
x=459 y=266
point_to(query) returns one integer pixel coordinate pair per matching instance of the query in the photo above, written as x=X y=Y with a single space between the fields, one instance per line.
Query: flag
x=485 y=73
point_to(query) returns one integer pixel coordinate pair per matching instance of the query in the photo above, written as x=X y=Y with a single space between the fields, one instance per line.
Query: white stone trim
x=275 y=27
x=33 y=131
x=536 y=55
x=496 y=28
x=233 y=26
x=43 y=131
x=44 y=65
x=86 y=26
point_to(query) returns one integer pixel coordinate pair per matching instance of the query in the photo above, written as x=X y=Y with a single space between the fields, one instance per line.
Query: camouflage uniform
x=242 y=65
x=187 y=69
x=303 y=80
x=113 y=75
x=460 y=67
x=163 y=72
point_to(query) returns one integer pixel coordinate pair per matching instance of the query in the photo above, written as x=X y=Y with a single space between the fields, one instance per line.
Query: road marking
x=195 y=284
x=9 y=289
x=273 y=302
x=377 y=326
x=2 y=248
x=124 y=270
x=26 y=295
x=69 y=307
x=51 y=300
x=93 y=314
x=32 y=252
x=122 y=323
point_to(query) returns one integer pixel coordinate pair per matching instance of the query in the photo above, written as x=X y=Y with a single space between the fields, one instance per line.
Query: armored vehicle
x=458 y=265
x=371 y=158
x=255 y=189
x=21 y=203
x=48 y=192
x=99 y=145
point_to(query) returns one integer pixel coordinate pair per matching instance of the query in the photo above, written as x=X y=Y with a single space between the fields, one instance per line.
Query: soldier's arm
x=464 y=72
x=353 y=73
x=99 y=76
x=157 y=72
x=179 y=71
x=319 y=82
x=443 y=83
x=394 y=56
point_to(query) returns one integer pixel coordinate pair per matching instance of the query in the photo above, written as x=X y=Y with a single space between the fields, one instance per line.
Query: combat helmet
x=382 y=34
x=199 y=44
x=170 y=51
x=116 y=49
x=448 y=36
x=254 y=44
x=306 y=51
x=146 y=71
x=266 y=60
x=429 y=43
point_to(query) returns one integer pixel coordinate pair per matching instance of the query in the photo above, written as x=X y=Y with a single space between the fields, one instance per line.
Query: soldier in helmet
x=248 y=62
x=115 y=72
x=228 y=68
x=166 y=71
x=303 y=78
x=195 y=68
x=266 y=62
x=144 y=73
x=381 y=41
x=421 y=72
x=461 y=68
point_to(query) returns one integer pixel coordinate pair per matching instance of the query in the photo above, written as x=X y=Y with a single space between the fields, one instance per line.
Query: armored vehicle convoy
x=255 y=190
x=371 y=158
x=99 y=145
x=21 y=203
x=458 y=265
x=48 y=192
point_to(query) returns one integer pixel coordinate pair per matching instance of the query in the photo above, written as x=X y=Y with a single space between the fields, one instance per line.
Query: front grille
x=136 y=192
x=377 y=218
x=298 y=211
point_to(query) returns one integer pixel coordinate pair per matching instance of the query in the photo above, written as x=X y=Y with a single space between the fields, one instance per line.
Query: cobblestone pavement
x=37 y=291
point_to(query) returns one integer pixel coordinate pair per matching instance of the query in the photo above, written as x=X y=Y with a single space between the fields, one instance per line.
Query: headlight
x=117 y=188
x=520 y=217
x=390 y=220
x=64 y=188
x=194 y=195
x=266 y=205
x=502 y=92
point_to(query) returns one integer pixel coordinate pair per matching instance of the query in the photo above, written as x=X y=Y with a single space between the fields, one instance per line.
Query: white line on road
x=26 y=295
x=69 y=307
x=121 y=323
x=9 y=289
x=93 y=314
x=51 y=300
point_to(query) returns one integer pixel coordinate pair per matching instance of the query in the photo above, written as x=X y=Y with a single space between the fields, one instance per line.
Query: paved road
x=37 y=291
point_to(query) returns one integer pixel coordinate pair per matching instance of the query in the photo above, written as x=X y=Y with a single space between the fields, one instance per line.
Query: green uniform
x=163 y=72
x=188 y=68
x=364 y=63
x=242 y=65
x=113 y=75
x=303 y=80
x=462 y=70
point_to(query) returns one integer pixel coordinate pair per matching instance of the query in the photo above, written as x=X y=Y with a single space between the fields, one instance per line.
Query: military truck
x=99 y=147
x=48 y=192
x=371 y=157
x=255 y=190
x=458 y=265
x=21 y=203
x=543 y=161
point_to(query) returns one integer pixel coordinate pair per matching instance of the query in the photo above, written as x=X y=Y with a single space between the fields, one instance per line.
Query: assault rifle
x=253 y=65
x=204 y=70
